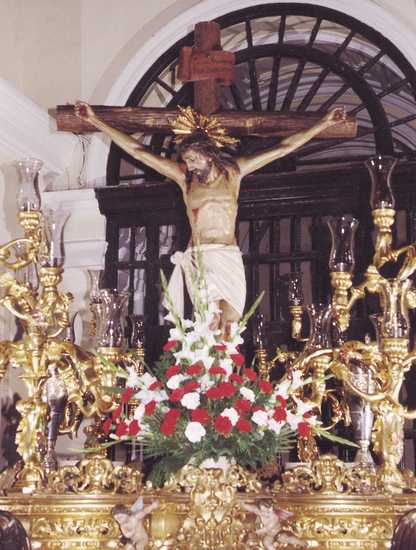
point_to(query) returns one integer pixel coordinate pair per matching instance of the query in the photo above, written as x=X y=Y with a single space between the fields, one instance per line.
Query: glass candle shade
x=395 y=319
x=319 y=332
x=380 y=169
x=52 y=252
x=28 y=197
x=112 y=311
x=96 y=277
x=295 y=292
x=342 y=230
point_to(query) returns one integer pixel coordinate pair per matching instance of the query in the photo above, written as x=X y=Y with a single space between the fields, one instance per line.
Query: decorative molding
x=26 y=130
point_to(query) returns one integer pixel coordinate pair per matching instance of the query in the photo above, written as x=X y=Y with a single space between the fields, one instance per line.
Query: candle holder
x=372 y=372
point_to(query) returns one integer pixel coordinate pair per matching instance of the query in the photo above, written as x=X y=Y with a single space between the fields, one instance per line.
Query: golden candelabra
x=371 y=372
x=64 y=383
x=333 y=505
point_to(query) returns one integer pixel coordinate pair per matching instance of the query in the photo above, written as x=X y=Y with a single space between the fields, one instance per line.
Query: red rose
x=308 y=414
x=126 y=395
x=116 y=413
x=170 y=345
x=304 y=429
x=280 y=414
x=243 y=425
x=236 y=378
x=134 y=427
x=265 y=387
x=172 y=370
x=200 y=415
x=217 y=370
x=107 y=425
x=190 y=386
x=250 y=374
x=223 y=425
x=176 y=395
x=220 y=347
x=257 y=408
x=149 y=409
x=226 y=389
x=238 y=359
x=195 y=369
x=213 y=393
x=155 y=386
x=281 y=400
x=121 y=429
x=242 y=405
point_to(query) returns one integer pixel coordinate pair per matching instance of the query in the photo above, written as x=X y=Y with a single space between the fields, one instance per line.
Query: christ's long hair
x=200 y=142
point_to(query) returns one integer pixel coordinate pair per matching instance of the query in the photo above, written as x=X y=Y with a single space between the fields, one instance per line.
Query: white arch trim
x=367 y=11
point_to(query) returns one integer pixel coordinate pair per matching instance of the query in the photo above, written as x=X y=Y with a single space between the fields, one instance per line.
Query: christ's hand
x=84 y=111
x=336 y=116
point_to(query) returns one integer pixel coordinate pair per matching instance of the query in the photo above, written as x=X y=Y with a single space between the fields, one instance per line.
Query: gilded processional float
x=202 y=414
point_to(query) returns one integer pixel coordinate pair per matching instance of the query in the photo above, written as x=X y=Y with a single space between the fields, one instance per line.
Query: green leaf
x=334 y=438
x=113 y=389
x=115 y=368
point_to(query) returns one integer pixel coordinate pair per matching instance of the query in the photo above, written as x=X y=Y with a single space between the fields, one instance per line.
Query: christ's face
x=197 y=163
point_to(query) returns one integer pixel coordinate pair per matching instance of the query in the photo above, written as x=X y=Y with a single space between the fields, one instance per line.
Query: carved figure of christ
x=210 y=188
x=211 y=184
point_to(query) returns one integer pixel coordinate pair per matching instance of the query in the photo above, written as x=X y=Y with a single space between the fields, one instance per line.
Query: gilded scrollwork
x=95 y=475
x=329 y=475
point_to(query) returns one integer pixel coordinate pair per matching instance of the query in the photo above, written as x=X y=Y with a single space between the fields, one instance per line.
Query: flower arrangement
x=202 y=402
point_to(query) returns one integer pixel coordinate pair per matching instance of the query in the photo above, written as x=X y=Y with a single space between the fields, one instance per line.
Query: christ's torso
x=212 y=210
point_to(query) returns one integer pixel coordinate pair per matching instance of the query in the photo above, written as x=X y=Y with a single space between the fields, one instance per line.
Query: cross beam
x=208 y=67
x=158 y=121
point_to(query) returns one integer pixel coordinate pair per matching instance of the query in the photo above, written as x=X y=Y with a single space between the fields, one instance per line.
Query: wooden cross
x=208 y=67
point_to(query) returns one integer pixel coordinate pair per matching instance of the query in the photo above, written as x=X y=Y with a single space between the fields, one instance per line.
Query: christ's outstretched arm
x=166 y=167
x=251 y=163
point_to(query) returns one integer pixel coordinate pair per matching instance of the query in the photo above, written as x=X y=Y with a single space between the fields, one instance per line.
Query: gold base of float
x=210 y=509
x=68 y=522
x=81 y=522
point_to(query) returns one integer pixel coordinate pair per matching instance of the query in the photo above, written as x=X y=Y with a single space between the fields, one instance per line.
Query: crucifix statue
x=208 y=178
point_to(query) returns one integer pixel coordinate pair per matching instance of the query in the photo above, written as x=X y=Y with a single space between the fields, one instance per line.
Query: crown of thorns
x=190 y=122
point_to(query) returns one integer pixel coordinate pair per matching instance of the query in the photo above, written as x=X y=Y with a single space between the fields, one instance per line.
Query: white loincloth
x=224 y=274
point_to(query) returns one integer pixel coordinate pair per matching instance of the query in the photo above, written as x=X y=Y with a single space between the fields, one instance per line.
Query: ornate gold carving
x=330 y=476
x=95 y=475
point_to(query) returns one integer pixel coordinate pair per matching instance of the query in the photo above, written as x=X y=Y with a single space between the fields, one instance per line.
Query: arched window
x=298 y=58
x=290 y=57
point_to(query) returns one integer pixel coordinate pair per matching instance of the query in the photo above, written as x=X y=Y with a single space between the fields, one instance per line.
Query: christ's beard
x=202 y=175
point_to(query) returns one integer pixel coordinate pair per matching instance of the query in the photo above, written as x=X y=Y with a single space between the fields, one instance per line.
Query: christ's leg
x=228 y=315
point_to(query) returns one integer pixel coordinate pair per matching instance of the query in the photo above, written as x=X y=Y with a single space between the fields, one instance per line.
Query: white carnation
x=260 y=418
x=190 y=400
x=194 y=432
x=231 y=414
x=248 y=394
x=174 y=381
